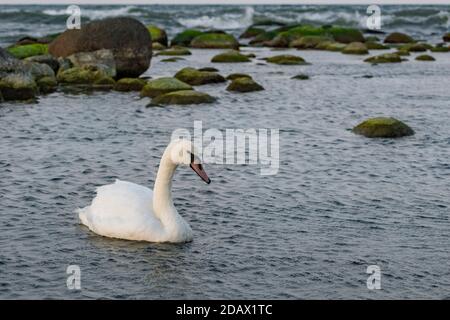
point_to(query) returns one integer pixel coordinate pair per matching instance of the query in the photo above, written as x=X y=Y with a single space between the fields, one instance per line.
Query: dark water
x=339 y=203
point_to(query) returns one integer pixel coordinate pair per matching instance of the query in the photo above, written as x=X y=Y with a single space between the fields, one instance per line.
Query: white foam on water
x=226 y=21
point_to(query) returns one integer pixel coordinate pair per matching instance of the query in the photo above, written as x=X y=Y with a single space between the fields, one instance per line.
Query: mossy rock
x=47 y=59
x=184 y=38
x=263 y=38
x=130 y=84
x=402 y=53
x=383 y=128
x=28 y=50
x=375 y=46
x=195 y=77
x=355 y=48
x=215 y=41
x=446 y=37
x=251 y=32
x=156 y=87
x=308 y=42
x=300 y=77
x=372 y=39
x=209 y=69
x=81 y=75
x=398 y=37
x=425 y=57
x=440 y=48
x=230 y=56
x=156 y=46
x=345 y=35
x=416 y=47
x=106 y=81
x=335 y=46
x=38 y=70
x=244 y=84
x=18 y=87
x=384 y=58
x=234 y=76
x=183 y=97
x=157 y=34
x=323 y=45
x=47 y=84
x=286 y=59
x=177 y=51
x=173 y=59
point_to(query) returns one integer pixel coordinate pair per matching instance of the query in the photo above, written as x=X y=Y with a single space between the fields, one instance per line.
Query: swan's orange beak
x=198 y=168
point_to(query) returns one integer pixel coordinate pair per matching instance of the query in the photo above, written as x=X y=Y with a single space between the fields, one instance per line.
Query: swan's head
x=182 y=152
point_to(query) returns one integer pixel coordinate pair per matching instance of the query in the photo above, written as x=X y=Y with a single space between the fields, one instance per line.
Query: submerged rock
x=18 y=86
x=158 y=35
x=440 y=48
x=230 y=56
x=156 y=87
x=129 y=84
x=233 y=76
x=308 y=42
x=251 y=32
x=355 y=48
x=416 y=47
x=244 y=84
x=128 y=39
x=375 y=46
x=383 y=128
x=215 y=41
x=184 y=38
x=183 y=97
x=174 y=59
x=175 y=51
x=425 y=57
x=335 y=46
x=300 y=77
x=398 y=37
x=384 y=58
x=28 y=50
x=195 y=77
x=210 y=69
x=402 y=53
x=286 y=59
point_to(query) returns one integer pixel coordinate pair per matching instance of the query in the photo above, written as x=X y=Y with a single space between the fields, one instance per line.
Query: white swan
x=129 y=211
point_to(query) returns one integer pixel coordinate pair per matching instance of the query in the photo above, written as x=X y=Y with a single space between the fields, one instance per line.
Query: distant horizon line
x=224 y=2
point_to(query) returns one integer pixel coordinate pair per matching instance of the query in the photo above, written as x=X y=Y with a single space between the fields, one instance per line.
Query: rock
x=323 y=45
x=230 y=56
x=244 y=84
x=440 y=48
x=263 y=37
x=355 y=48
x=47 y=59
x=234 y=76
x=383 y=128
x=103 y=59
x=446 y=37
x=210 y=69
x=104 y=83
x=402 y=53
x=375 y=46
x=345 y=35
x=300 y=77
x=174 y=59
x=194 y=77
x=335 y=46
x=177 y=51
x=64 y=64
x=215 y=41
x=47 y=84
x=81 y=75
x=183 y=97
x=286 y=59
x=158 y=46
x=372 y=39
x=416 y=47
x=38 y=70
x=251 y=32
x=308 y=42
x=130 y=84
x=28 y=50
x=31 y=40
x=165 y=85
x=425 y=57
x=184 y=38
x=158 y=35
x=397 y=37
x=18 y=86
x=128 y=39
x=384 y=58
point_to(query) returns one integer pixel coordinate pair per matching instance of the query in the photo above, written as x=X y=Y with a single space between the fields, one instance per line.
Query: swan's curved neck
x=162 y=193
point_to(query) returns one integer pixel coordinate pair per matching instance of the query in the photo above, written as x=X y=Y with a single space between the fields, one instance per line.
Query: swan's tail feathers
x=83 y=215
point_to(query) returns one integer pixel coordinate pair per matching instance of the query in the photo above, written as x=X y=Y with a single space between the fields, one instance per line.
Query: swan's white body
x=129 y=211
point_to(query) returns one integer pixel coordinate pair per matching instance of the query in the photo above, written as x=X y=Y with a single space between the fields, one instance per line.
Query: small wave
x=227 y=21
x=93 y=14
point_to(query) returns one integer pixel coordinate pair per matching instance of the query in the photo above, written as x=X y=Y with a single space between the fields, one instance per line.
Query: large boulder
x=398 y=37
x=244 y=84
x=127 y=38
x=18 y=86
x=215 y=41
x=230 y=56
x=183 y=97
x=383 y=128
x=195 y=77
x=165 y=85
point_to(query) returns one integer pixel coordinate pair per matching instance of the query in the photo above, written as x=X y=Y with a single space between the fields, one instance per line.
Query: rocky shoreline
x=112 y=54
